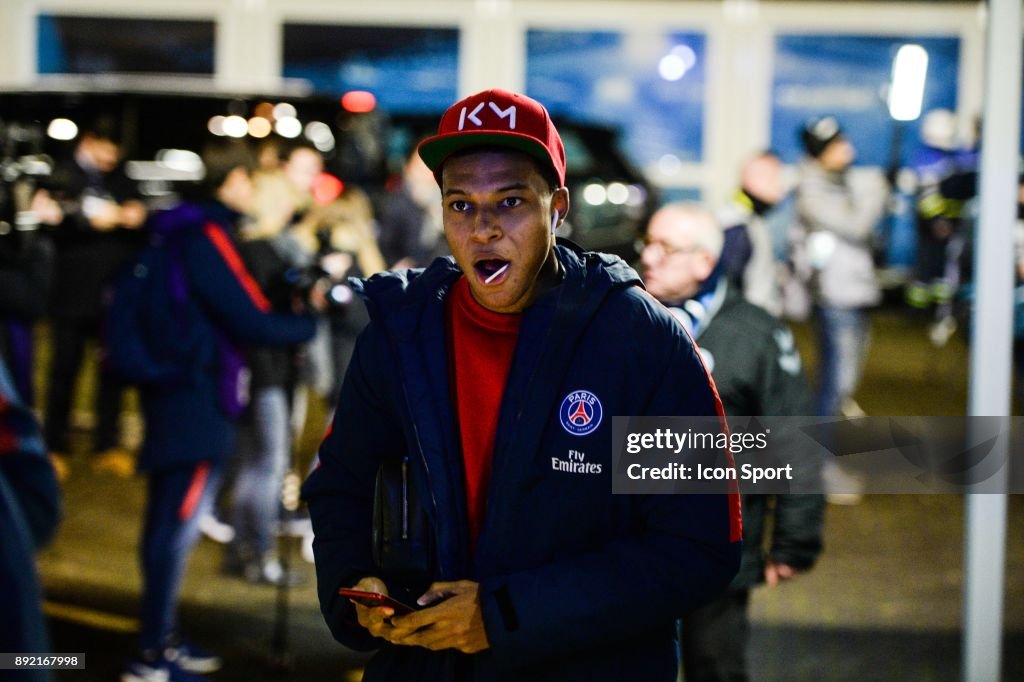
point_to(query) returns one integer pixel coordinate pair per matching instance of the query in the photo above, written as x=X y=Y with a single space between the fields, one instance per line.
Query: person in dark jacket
x=410 y=218
x=480 y=399
x=757 y=370
x=97 y=220
x=29 y=514
x=26 y=272
x=265 y=438
x=189 y=425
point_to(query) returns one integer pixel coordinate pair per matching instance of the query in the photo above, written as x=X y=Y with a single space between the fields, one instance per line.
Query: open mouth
x=491 y=270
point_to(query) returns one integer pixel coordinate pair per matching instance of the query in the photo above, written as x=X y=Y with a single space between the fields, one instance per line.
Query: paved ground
x=883 y=604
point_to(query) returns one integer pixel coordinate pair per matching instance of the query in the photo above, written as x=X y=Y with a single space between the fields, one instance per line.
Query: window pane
x=847 y=76
x=648 y=85
x=409 y=70
x=109 y=45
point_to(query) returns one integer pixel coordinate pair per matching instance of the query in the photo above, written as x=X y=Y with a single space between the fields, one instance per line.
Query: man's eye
x=511 y=202
x=459 y=206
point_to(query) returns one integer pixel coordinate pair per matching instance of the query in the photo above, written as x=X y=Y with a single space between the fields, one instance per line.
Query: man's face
x=762 y=177
x=497 y=213
x=838 y=155
x=302 y=169
x=237 y=190
x=101 y=153
x=674 y=265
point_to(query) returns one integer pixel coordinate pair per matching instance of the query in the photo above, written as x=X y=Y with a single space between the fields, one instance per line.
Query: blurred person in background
x=834 y=233
x=190 y=424
x=837 y=221
x=289 y=261
x=338 y=236
x=284 y=194
x=96 y=218
x=410 y=218
x=29 y=515
x=748 y=256
x=939 y=221
x=282 y=199
x=26 y=275
x=754 y=361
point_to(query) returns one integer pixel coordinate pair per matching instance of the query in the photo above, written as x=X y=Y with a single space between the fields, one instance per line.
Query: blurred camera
x=22 y=167
x=302 y=281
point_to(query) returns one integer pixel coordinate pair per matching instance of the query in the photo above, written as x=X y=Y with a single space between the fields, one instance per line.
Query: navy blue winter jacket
x=187 y=423
x=576 y=583
x=29 y=513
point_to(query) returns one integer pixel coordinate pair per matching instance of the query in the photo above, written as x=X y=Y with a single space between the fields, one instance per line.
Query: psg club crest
x=580 y=413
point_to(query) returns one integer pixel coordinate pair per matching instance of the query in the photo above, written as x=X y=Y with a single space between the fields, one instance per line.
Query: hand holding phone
x=375 y=599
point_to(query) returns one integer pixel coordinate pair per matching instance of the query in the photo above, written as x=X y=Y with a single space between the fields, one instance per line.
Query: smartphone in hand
x=375 y=599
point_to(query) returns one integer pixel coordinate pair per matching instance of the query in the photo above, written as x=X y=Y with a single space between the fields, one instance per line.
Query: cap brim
x=434 y=150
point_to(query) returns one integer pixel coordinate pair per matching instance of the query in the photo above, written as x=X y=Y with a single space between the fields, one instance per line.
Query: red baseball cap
x=498 y=118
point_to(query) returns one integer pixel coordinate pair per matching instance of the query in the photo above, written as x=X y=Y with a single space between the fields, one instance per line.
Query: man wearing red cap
x=468 y=469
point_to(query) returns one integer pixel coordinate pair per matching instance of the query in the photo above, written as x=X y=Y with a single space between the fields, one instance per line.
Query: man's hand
x=776 y=573
x=46 y=209
x=455 y=623
x=376 y=619
x=133 y=214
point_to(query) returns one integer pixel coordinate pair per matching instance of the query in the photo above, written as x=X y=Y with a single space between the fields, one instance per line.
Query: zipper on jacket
x=405 y=498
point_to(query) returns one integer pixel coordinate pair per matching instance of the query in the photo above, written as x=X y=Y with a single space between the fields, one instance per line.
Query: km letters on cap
x=500 y=118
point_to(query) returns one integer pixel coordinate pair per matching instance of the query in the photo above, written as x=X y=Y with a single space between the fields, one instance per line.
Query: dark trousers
x=69 y=337
x=714 y=638
x=176 y=499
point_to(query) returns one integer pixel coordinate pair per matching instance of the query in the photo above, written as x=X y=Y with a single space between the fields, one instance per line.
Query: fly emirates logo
x=576 y=464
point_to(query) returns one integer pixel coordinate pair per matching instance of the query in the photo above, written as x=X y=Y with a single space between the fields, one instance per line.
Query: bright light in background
x=677 y=62
x=618 y=193
x=182 y=160
x=908 y=75
x=264 y=110
x=358 y=101
x=319 y=133
x=669 y=164
x=327 y=188
x=62 y=129
x=216 y=126
x=595 y=194
x=637 y=195
x=235 y=126
x=259 y=126
x=284 y=110
x=288 y=126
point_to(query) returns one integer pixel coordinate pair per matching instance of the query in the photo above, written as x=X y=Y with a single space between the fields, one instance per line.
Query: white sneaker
x=215 y=529
x=940 y=332
x=841 y=487
x=142 y=671
x=851 y=409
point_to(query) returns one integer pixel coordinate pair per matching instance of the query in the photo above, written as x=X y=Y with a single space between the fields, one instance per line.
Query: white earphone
x=554 y=221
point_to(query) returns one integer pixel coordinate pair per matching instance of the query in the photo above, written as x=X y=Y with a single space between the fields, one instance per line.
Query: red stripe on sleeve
x=194 y=492
x=8 y=439
x=234 y=261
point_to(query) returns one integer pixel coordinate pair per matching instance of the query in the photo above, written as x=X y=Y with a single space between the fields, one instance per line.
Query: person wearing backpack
x=190 y=410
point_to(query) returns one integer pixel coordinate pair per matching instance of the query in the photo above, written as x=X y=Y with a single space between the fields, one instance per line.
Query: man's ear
x=705 y=264
x=559 y=204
